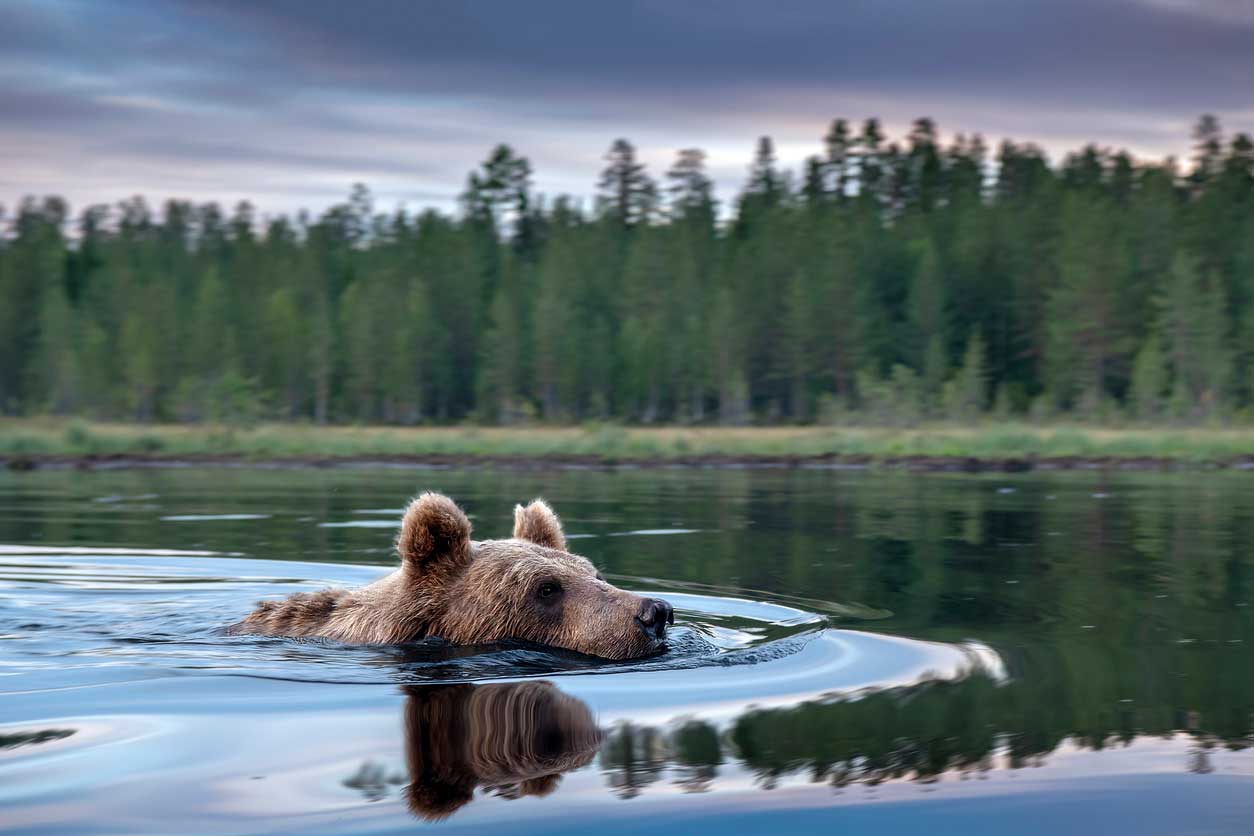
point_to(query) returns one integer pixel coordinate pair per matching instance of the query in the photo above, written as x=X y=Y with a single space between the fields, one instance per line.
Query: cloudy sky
x=288 y=103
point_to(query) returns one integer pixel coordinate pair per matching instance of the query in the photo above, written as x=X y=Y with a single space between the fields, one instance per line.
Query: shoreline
x=910 y=463
x=1005 y=446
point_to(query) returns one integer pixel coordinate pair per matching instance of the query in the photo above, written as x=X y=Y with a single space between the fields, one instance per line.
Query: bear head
x=528 y=587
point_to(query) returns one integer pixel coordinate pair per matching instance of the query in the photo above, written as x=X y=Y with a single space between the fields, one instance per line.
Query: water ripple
x=85 y=616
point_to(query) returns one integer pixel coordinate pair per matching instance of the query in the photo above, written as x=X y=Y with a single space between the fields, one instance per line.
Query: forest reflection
x=920 y=734
x=515 y=740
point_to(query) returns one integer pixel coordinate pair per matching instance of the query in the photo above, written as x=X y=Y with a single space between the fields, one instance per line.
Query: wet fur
x=470 y=592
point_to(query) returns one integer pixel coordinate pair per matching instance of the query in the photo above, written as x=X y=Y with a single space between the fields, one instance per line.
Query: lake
x=887 y=652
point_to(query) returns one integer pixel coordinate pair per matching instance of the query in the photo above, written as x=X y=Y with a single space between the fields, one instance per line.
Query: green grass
x=57 y=437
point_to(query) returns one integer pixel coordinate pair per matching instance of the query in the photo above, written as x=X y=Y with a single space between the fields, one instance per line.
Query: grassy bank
x=33 y=441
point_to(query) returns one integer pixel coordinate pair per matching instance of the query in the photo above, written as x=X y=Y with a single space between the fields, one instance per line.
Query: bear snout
x=655 y=615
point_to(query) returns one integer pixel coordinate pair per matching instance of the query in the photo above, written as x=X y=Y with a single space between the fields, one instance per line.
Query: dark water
x=887 y=653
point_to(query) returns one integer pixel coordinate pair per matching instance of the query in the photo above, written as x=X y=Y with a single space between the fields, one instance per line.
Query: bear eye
x=600 y=577
x=548 y=590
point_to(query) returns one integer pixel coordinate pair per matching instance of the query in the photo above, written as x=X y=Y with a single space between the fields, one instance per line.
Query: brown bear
x=512 y=739
x=528 y=587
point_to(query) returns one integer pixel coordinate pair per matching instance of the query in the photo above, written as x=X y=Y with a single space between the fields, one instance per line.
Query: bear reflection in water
x=511 y=739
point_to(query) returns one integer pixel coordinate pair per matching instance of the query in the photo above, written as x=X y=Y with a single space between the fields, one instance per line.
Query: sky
x=287 y=103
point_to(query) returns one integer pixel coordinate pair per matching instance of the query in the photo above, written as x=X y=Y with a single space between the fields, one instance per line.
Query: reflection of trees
x=698 y=754
x=633 y=757
x=1199 y=757
x=372 y=780
x=919 y=732
x=922 y=732
x=517 y=739
x=964 y=727
x=33 y=738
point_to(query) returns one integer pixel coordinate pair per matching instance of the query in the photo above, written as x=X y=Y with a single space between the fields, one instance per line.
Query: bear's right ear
x=435 y=534
x=539 y=524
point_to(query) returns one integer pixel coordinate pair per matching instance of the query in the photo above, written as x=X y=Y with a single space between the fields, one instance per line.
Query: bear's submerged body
x=472 y=592
x=376 y=614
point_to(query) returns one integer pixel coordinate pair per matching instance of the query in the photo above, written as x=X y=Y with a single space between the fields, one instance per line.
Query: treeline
x=887 y=280
x=967 y=727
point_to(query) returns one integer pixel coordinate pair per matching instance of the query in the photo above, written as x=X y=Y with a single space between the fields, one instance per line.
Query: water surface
x=897 y=652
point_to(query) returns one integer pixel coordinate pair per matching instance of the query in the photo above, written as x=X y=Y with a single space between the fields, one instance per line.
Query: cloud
x=1222 y=11
x=289 y=102
x=1061 y=50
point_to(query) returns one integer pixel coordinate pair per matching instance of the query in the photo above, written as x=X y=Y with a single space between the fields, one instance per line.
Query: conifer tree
x=1149 y=380
x=627 y=195
x=927 y=324
x=966 y=394
x=1195 y=326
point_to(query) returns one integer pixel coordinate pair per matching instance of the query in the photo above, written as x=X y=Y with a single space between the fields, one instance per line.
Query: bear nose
x=655 y=614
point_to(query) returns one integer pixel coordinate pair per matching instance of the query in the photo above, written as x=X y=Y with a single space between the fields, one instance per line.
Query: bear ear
x=436 y=800
x=539 y=524
x=434 y=534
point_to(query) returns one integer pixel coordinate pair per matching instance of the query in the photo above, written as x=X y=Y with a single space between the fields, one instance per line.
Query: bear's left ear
x=539 y=524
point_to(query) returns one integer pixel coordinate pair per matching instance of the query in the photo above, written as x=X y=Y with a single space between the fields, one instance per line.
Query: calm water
x=898 y=653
